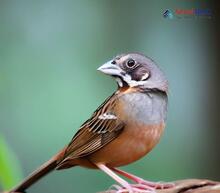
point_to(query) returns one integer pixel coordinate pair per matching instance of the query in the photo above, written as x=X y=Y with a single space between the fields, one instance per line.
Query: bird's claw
x=142 y=186
x=157 y=185
x=134 y=188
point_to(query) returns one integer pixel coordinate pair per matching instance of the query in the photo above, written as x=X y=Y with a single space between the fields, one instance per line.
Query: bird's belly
x=134 y=142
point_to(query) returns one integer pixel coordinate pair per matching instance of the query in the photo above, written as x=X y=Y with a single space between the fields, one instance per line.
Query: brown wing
x=99 y=130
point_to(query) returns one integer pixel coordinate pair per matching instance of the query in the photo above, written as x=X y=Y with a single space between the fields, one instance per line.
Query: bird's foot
x=140 y=181
x=134 y=188
x=155 y=185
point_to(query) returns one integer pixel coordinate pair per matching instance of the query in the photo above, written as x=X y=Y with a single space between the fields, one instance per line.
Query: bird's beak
x=110 y=69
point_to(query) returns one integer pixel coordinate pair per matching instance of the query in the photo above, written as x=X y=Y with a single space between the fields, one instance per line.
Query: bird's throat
x=121 y=83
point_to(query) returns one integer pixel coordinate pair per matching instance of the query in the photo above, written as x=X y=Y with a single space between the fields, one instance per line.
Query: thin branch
x=188 y=186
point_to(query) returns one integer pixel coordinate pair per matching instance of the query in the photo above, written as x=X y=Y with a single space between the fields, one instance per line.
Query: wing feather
x=95 y=132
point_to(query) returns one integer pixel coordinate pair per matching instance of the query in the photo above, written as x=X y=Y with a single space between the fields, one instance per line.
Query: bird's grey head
x=135 y=70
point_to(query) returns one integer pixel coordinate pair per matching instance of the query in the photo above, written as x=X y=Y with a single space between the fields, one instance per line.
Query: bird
x=123 y=129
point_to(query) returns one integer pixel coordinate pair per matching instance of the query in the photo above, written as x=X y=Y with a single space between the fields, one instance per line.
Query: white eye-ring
x=145 y=76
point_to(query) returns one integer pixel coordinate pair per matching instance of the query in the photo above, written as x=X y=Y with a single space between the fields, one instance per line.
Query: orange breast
x=134 y=142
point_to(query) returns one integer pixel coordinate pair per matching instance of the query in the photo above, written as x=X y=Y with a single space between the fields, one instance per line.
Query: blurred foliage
x=10 y=170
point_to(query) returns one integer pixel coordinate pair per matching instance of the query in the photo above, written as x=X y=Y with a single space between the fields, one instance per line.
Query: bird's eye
x=130 y=63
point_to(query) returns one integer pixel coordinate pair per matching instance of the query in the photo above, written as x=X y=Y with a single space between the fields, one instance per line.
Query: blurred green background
x=49 y=53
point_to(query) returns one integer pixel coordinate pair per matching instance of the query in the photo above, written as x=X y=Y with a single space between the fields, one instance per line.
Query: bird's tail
x=43 y=170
